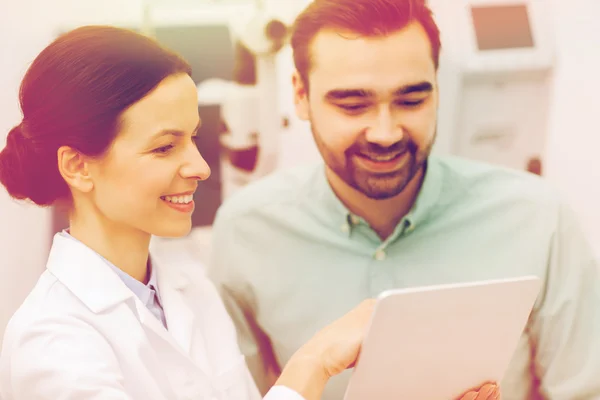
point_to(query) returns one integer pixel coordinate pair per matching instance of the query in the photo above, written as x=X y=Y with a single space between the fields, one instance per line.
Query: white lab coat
x=82 y=334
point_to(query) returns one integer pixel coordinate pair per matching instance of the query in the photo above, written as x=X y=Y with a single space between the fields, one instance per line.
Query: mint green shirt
x=289 y=259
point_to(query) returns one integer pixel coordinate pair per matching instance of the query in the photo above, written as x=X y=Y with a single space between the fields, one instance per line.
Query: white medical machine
x=251 y=111
x=495 y=79
x=251 y=108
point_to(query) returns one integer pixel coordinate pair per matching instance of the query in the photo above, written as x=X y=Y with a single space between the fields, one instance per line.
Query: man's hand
x=486 y=392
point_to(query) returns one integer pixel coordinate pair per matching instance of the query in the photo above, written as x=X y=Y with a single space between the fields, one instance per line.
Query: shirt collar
x=425 y=202
x=152 y=282
x=429 y=194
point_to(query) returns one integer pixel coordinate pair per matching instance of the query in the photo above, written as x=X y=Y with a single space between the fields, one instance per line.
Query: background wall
x=574 y=135
x=574 y=140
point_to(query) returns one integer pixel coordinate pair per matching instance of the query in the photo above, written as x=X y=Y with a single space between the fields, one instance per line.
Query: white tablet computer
x=436 y=343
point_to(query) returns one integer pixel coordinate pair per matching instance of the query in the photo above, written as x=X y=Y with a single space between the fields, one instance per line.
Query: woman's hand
x=336 y=347
x=486 y=392
x=331 y=351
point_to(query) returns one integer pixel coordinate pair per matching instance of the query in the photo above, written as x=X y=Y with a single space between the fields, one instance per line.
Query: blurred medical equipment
x=495 y=78
x=250 y=104
x=250 y=109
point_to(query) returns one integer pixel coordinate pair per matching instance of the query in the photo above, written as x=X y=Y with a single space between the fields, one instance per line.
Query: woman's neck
x=125 y=248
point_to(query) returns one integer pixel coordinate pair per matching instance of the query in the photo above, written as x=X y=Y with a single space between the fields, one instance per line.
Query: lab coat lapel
x=151 y=323
x=182 y=322
x=180 y=319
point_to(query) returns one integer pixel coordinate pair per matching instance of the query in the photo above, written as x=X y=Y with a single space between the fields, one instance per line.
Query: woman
x=109 y=124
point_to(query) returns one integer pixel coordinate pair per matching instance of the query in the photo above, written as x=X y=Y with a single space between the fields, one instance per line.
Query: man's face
x=372 y=104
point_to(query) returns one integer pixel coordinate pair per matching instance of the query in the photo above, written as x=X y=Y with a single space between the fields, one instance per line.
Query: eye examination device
x=495 y=78
x=250 y=103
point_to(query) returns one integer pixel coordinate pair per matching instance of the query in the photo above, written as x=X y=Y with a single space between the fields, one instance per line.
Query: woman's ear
x=74 y=169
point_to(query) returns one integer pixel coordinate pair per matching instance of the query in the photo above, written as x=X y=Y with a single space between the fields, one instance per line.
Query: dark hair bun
x=28 y=174
x=73 y=95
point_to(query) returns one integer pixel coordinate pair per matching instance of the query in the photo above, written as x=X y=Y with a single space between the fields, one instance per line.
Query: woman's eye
x=164 y=149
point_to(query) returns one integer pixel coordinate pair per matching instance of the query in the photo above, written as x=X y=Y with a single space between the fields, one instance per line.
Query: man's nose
x=385 y=131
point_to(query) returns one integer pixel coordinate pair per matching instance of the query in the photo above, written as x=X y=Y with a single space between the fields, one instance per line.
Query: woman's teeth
x=179 y=199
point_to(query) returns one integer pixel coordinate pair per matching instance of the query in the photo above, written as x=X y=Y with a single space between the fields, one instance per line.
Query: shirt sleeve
x=282 y=393
x=224 y=272
x=566 y=326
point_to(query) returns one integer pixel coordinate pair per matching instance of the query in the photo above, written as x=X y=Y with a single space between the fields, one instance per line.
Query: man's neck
x=128 y=251
x=382 y=215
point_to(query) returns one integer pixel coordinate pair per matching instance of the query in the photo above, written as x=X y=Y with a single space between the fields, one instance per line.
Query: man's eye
x=410 y=103
x=353 y=107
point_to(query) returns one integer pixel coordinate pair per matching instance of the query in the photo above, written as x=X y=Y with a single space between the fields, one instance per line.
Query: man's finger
x=486 y=392
x=469 y=396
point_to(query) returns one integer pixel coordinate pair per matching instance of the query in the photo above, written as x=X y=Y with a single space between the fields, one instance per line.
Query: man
x=300 y=248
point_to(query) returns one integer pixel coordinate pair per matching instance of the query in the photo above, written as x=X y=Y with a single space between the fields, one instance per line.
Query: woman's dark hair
x=73 y=95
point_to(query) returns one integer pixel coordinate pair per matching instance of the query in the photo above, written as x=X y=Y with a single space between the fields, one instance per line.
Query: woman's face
x=148 y=177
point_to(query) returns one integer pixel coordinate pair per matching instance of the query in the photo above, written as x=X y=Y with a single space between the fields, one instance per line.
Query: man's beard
x=376 y=185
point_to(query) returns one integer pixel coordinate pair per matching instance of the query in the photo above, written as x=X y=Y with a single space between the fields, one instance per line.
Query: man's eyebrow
x=414 y=88
x=341 y=94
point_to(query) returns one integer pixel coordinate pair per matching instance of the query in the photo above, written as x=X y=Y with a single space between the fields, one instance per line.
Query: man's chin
x=381 y=194
x=383 y=186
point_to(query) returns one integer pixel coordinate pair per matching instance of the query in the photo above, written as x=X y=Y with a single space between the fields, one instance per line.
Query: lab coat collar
x=90 y=279
x=86 y=275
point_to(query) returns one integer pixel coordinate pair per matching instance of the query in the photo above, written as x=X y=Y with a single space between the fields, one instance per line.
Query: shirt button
x=380 y=255
x=345 y=228
x=354 y=219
